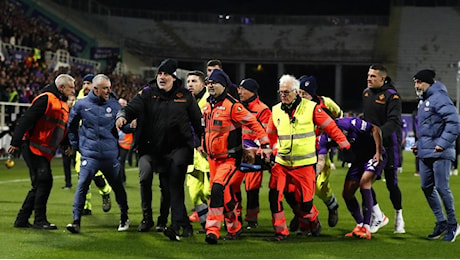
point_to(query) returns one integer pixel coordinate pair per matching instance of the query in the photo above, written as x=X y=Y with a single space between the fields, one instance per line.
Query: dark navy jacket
x=437 y=123
x=97 y=136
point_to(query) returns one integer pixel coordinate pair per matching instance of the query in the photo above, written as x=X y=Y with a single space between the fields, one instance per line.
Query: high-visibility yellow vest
x=296 y=138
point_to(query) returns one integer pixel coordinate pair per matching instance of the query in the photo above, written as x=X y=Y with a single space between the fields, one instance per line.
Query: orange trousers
x=304 y=180
x=221 y=202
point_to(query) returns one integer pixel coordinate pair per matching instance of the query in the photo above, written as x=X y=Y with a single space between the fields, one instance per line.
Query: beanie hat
x=250 y=84
x=425 y=76
x=168 y=66
x=88 y=77
x=219 y=76
x=308 y=83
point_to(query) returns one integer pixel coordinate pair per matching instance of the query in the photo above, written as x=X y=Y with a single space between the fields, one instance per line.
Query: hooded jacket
x=437 y=123
x=97 y=136
x=382 y=107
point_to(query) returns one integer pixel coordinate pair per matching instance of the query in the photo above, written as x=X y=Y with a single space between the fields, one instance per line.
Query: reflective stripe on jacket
x=296 y=138
x=50 y=129
x=261 y=112
x=125 y=140
x=223 y=137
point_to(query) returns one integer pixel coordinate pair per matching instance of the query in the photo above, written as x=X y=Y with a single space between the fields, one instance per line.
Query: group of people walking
x=214 y=135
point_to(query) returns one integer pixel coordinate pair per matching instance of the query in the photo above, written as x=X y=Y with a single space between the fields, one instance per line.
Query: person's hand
x=69 y=151
x=133 y=123
x=201 y=150
x=438 y=149
x=120 y=122
x=13 y=149
x=265 y=154
x=414 y=150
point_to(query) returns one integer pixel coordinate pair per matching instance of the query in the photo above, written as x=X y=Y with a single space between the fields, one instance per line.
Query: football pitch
x=99 y=237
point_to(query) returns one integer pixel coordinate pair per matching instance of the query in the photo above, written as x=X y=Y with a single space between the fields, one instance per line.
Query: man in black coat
x=168 y=117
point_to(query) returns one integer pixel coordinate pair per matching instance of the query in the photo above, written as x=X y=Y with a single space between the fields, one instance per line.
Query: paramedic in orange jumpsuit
x=224 y=117
x=249 y=97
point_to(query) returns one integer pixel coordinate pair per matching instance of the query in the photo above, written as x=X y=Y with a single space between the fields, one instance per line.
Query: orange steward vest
x=50 y=129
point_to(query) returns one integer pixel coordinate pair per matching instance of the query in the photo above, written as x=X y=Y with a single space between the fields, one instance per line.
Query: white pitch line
x=54 y=177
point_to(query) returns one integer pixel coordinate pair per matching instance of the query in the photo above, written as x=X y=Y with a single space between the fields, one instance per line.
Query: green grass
x=100 y=239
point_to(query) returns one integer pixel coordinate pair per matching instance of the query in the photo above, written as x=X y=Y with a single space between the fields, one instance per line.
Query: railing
x=7 y=117
x=53 y=59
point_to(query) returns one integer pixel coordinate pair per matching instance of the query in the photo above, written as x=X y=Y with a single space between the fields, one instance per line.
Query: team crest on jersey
x=238 y=108
x=382 y=97
x=180 y=95
x=427 y=106
x=108 y=112
x=319 y=110
x=366 y=94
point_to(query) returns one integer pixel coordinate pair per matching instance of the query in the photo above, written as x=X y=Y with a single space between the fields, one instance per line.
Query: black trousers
x=42 y=181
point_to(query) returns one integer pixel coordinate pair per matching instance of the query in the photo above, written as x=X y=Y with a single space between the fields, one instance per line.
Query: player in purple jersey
x=366 y=144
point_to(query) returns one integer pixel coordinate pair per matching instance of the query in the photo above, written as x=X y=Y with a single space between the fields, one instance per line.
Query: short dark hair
x=382 y=69
x=378 y=66
x=214 y=63
x=198 y=73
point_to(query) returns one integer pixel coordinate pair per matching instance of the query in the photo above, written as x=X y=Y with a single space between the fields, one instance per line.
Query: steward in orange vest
x=38 y=133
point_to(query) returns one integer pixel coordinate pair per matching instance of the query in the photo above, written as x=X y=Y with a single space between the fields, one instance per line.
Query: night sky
x=292 y=7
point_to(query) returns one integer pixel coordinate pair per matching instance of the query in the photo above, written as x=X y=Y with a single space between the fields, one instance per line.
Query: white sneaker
x=332 y=166
x=124 y=225
x=399 y=226
x=455 y=172
x=400 y=169
x=376 y=224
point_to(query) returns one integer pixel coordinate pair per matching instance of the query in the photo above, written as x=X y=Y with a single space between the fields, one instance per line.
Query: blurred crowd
x=22 y=80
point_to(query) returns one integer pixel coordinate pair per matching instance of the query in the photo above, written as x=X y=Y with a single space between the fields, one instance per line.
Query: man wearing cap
x=224 y=117
x=308 y=87
x=99 y=179
x=248 y=92
x=382 y=107
x=165 y=113
x=292 y=132
x=437 y=131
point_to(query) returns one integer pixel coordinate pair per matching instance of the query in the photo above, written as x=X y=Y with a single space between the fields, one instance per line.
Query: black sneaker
x=74 y=228
x=439 y=229
x=106 y=204
x=172 y=234
x=145 y=225
x=86 y=212
x=211 y=239
x=333 y=217
x=252 y=225
x=233 y=236
x=160 y=227
x=294 y=224
x=188 y=232
x=315 y=227
x=22 y=224
x=44 y=225
x=278 y=238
